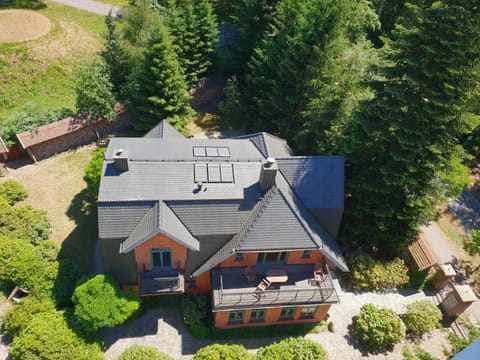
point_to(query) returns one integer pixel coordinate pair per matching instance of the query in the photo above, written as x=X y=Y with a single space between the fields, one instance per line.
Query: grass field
x=116 y=2
x=41 y=71
x=56 y=185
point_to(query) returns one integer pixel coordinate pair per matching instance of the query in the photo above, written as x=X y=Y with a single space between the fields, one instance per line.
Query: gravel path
x=91 y=6
x=467 y=210
x=163 y=329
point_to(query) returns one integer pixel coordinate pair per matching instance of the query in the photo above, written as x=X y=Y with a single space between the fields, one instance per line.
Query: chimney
x=120 y=156
x=268 y=174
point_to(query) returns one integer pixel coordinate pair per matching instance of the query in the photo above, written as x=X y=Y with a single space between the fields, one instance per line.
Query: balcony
x=230 y=289
x=158 y=282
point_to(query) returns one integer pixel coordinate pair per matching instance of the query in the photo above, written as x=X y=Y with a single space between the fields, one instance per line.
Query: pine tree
x=113 y=55
x=194 y=28
x=406 y=138
x=296 y=64
x=162 y=90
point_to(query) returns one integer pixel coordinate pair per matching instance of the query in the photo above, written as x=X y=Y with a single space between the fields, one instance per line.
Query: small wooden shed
x=459 y=299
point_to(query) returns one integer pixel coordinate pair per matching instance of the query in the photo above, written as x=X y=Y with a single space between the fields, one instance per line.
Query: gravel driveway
x=163 y=329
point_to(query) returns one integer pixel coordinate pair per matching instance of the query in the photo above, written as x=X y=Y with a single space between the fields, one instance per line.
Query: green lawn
x=41 y=71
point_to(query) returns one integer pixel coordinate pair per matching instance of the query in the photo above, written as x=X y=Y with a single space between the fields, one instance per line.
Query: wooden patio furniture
x=318 y=275
x=261 y=287
x=250 y=274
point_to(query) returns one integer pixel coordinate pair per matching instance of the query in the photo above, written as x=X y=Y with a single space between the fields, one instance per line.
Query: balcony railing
x=157 y=282
x=231 y=290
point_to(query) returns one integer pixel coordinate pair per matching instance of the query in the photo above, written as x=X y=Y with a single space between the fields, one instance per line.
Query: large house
x=240 y=219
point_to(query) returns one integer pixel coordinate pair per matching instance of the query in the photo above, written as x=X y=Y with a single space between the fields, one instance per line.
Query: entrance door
x=161 y=258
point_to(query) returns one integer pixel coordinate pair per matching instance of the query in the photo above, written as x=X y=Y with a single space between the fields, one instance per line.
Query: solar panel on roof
x=199 y=151
x=214 y=173
x=224 y=151
x=212 y=151
x=200 y=172
x=226 y=173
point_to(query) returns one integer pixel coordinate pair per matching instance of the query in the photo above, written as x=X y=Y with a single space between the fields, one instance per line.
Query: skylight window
x=211 y=151
x=213 y=173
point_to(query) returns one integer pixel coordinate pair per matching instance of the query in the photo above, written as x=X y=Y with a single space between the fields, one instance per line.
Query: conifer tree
x=161 y=91
x=296 y=63
x=406 y=138
x=194 y=28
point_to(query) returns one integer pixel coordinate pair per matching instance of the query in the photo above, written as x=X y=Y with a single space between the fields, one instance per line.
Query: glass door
x=161 y=258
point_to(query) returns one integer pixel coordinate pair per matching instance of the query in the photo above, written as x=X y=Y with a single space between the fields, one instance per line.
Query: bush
x=378 y=328
x=23 y=222
x=369 y=274
x=194 y=312
x=99 y=302
x=223 y=352
x=93 y=172
x=29 y=118
x=20 y=316
x=66 y=280
x=418 y=354
x=473 y=245
x=292 y=348
x=138 y=352
x=48 y=336
x=422 y=317
x=23 y=265
x=13 y=191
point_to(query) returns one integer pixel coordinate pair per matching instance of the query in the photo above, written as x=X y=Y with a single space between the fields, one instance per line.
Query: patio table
x=277 y=276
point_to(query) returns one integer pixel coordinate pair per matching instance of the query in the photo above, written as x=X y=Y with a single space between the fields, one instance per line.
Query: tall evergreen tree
x=405 y=139
x=161 y=88
x=195 y=36
x=112 y=54
x=296 y=63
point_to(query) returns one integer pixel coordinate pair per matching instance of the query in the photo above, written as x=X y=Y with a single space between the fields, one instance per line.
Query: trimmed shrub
x=48 y=336
x=20 y=316
x=369 y=274
x=194 y=312
x=23 y=222
x=473 y=245
x=138 y=352
x=223 y=352
x=378 y=328
x=422 y=317
x=99 y=302
x=417 y=354
x=292 y=349
x=13 y=191
x=93 y=172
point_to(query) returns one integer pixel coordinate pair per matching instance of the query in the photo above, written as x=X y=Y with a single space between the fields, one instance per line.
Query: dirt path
x=91 y=6
x=53 y=184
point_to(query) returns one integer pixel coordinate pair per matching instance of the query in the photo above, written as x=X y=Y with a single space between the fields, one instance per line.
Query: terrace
x=231 y=290
x=161 y=281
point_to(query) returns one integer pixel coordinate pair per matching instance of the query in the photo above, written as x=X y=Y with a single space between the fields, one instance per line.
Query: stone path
x=163 y=329
x=91 y=6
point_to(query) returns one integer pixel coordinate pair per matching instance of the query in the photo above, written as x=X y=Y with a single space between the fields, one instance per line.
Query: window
x=306 y=254
x=257 y=315
x=238 y=256
x=211 y=151
x=287 y=313
x=235 y=316
x=161 y=258
x=272 y=257
x=308 y=312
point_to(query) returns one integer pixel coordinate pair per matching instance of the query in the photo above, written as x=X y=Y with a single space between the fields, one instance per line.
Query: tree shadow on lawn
x=79 y=246
x=14 y=4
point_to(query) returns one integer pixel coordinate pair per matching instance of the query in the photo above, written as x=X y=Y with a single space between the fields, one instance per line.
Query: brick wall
x=77 y=138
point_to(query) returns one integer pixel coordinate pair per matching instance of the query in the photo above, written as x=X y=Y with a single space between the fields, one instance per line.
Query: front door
x=161 y=258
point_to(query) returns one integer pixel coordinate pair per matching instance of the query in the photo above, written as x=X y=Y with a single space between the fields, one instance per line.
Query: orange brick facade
x=294 y=257
x=160 y=241
x=272 y=316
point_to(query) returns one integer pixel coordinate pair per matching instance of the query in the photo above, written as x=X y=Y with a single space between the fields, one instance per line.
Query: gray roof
x=277 y=219
x=159 y=194
x=159 y=220
x=164 y=130
x=117 y=220
x=268 y=145
x=212 y=217
x=316 y=180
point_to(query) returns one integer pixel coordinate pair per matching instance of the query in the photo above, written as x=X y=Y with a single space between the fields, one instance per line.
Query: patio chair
x=261 y=287
x=250 y=275
x=318 y=275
